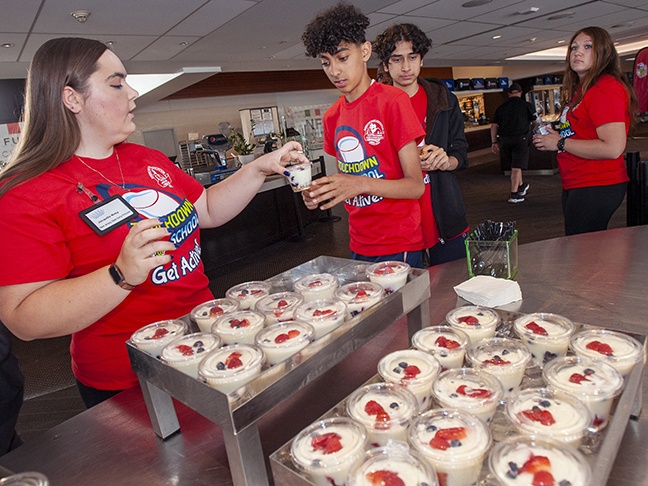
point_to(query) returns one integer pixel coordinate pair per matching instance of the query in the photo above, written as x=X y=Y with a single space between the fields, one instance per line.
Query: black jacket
x=445 y=128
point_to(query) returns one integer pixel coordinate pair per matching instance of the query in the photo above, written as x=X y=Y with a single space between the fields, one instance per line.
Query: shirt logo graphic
x=374 y=132
x=160 y=176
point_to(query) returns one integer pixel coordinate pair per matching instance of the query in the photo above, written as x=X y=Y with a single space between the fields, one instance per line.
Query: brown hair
x=605 y=61
x=50 y=132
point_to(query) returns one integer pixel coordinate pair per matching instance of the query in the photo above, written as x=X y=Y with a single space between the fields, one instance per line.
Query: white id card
x=108 y=214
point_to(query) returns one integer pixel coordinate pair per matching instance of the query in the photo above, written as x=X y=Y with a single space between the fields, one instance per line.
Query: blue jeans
x=413 y=258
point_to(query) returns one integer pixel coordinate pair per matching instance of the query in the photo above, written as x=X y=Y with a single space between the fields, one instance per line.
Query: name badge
x=108 y=214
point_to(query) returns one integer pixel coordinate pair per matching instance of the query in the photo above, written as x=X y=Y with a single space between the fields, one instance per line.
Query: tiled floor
x=51 y=396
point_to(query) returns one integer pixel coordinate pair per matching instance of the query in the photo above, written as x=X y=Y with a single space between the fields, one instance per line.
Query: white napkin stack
x=489 y=291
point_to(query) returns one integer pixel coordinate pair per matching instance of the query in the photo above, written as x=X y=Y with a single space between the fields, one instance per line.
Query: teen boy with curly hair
x=372 y=131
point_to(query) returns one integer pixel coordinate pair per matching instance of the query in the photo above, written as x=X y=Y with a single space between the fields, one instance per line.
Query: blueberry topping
x=354 y=313
x=511 y=474
x=423 y=484
x=564 y=482
x=245 y=291
x=402 y=364
x=397 y=370
x=548 y=357
x=317 y=463
x=513 y=466
x=505 y=352
x=200 y=350
x=510 y=389
x=535 y=407
x=443 y=354
x=453 y=395
x=393 y=405
x=497 y=357
x=455 y=443
x=480 y=313
x=545 y=403
x=431 y=428
x=513 y=470
x=220 y=365
x=198 y=344
x=588 y=371
x=266 y=340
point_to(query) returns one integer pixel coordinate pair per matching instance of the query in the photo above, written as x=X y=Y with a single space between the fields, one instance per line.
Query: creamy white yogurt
x=230 y=367
x=249 y=293
x=152 y=338
x=390 y=275
x=324 y=315
x=239 y=327
x=299 y=176
x=446 y=344
x=359 y=296
x=318 y=286
x=205 y=314
x=186 y=352
x=279 y=307
x=281 y=340
x=476 y=321
x=546 y=335
x=504 y=358
x=615 y=348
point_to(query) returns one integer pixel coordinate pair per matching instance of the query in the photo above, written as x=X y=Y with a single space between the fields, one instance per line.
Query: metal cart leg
x=161 y=410
x=245 y=457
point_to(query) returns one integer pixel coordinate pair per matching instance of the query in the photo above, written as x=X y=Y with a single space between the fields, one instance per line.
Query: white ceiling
x=262 y=35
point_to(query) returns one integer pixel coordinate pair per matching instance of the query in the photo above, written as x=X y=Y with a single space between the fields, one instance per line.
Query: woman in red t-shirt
x=598 y=106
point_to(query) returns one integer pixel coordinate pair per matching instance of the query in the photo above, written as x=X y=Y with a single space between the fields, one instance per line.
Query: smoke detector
x=80 y=15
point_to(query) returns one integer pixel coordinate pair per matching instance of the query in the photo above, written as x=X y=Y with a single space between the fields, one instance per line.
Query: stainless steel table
x=599 y=278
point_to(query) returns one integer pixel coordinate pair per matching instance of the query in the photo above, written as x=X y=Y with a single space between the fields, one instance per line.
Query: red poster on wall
x=640 y=83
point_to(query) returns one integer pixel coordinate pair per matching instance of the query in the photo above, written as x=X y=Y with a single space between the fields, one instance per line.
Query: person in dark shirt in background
x=512 y=125
x=11 y=393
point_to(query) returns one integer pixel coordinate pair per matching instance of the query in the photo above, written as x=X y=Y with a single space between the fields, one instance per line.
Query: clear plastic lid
x=408 y=366
x=389 y=464
x=27 y=478
x=329 y=443
x=520 y=456
x=359 y=292
x=213 y=309
x=390 y=274
x=316 y=282
x=285 y=335
x=279 y=304
x=544 y=327
x=154 y=334
x=190 y=347
x=494 y=354
x=611 y=346
x=467 y=388
x=581 y=376
x=382 y=405
x=323 y=310
x=440 y=340
x=230 y=361
x=249 y=292
x=449 y=435
x=239 y=323
x=472 y=316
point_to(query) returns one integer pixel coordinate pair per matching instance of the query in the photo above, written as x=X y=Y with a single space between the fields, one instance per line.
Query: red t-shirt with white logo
x=44 y=238
x=365 y=137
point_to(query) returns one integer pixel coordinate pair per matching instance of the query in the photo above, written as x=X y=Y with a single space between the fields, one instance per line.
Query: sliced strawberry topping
x=600 y=347
x=439 y=443
x=496 y=360
x=470 y=320
x=256 y=291
x=411 y=371
x=473 y=392
x=327 y=443
x=293 y=333
x=282 y=303
x=233 y=360
x=160 y=332
x=320 y=313
x=361 y=293
x=215 y=311
x=578 y=378
x=597 y=421
x=444 y=342
x=385 y=270
x=372 y=407
x=282 y=338
x=185 y=350
x=543 y=478
x=237 y=323
x=538 y=415
x=452 y=433
x=315 y=283
x=535 y=464
x=536 y=328
x=384 y=478
x=443 y=478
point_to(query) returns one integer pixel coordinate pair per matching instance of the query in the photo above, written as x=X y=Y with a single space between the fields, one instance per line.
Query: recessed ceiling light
x=561 y=41
x=560 y=16
x=7 y=45
x=475 y=3
x=496 y=37
x=81 y=15
x=184 y=43
x=528 y=11
x=622 y=24
x=533 y=39
x=110 y=43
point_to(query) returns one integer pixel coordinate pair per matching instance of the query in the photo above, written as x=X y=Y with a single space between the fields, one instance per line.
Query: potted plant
x=241 y=147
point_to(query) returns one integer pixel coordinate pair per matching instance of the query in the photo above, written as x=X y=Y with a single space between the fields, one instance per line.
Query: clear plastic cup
x=385 y=410
x=413 y=369
x=279 y=307
x=27 y=478
x=152 y=338
x=205 y=314
x=615 y=348
x=239 y=327
x=504 y=358
x=318 y=286
x=546 y=335
x=327 y=449
x=359 y=296
x=280 y=341
x=186 y=352
x=594 y=382
x=543 y=411
x=230 y=367
x=390 y=275
x=473 y=391
x=453 y=442
x=300 y=176
x=476 y=321
x=525 y=459
x=324 y=315
x=249 y=293
x=446 y=344
x=394 y=463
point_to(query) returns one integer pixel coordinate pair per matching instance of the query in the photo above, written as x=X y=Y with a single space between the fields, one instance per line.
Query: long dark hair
x=605 y=61
x=50 y=132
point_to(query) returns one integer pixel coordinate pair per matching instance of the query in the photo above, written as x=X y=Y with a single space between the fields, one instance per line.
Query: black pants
x=92 y=396
x=11 y=393
x=589 y=209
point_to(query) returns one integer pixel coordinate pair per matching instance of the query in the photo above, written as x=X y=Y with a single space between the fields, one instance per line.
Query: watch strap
x=118 y=277
x=561 y=144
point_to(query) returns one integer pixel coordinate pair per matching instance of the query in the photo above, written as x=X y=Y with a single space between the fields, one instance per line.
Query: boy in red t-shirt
x=372 y=131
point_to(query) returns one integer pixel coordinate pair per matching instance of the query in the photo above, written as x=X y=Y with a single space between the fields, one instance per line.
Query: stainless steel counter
x=599 y=278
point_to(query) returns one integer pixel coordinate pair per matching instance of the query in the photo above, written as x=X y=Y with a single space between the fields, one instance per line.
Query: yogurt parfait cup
x=152 y=338
x=186 y=352
x=413 y=369
x=473 y=391
x=391 y=275
x=453 y=442
x=324 y=315
x=317 y=286
x=543 y=411
x=359 y=296
x=546 y=335
x=594 y=382
x=249 y=293
x=446 y=344
x=239 y=327
x=230 y=367
x=26 y=478
x=392 y=464
x=280 y=341
x=300 y=176
x=615 y=348
x=327 y=449
x=522 y=460
x=476 y=321
x=279 y=307
x=504 y=358
x=204 y=315
x=385 y=410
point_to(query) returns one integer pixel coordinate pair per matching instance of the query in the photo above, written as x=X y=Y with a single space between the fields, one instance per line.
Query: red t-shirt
x=365 y=137
x=44 y=238
x=431 y=234
x=605 y=102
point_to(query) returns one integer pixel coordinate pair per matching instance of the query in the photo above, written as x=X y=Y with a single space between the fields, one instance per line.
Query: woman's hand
x=275 y=161
x=144 y=248
x=547 y=143
x=434 y=158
